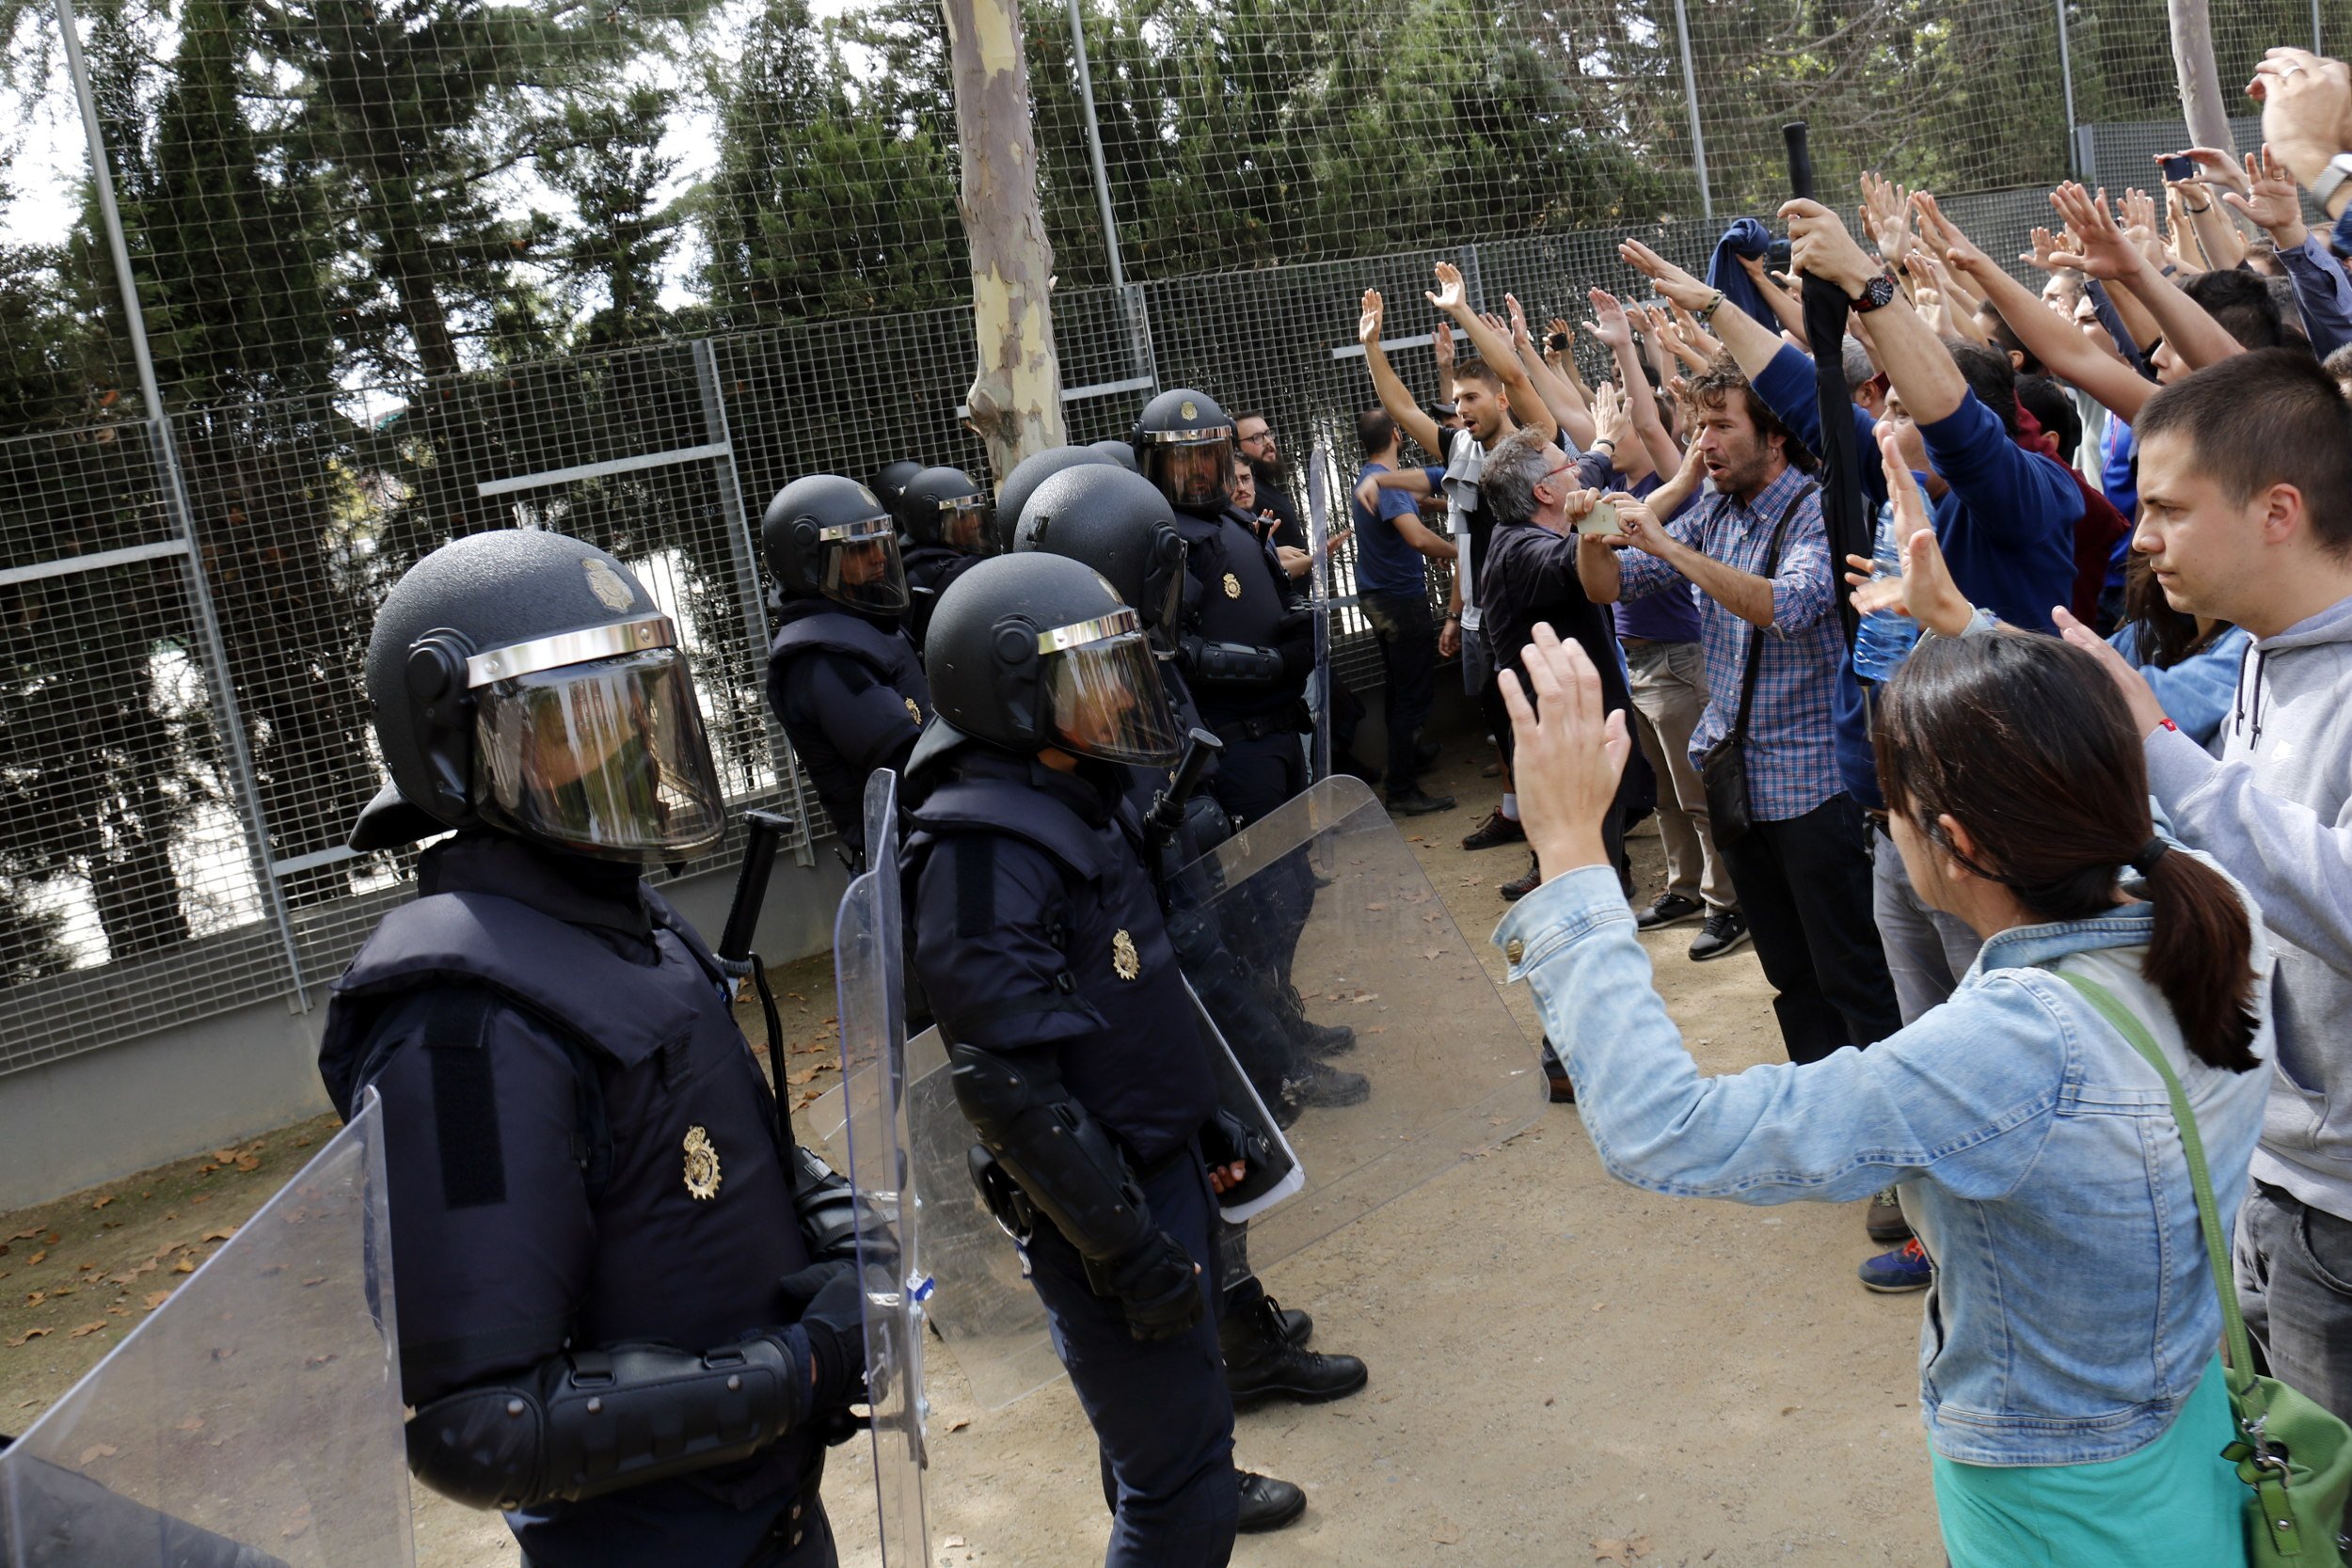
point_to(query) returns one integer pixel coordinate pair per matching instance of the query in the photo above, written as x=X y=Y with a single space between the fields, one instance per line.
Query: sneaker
x=1520 y=887
x=1316 y=1084
x=1892 y=1274
x=1725 y=931
x=1668 y=909
x=1496 y=830
x=1416 y=802
x=1885 y=1222
x=1268 y=1503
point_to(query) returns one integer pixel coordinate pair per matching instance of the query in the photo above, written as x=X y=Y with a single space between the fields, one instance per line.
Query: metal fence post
x=746 y=562
x=183 y=514
x=2316 y=48
x=1094 y=144
x=2066 y=74
x=1690 y=100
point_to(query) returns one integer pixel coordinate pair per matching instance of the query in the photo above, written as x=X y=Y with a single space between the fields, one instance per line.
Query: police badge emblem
x=1190 y=409
x=702 y=1165
x=1125 y=961
x=1233 y=586
x=606 y=584
x=912 y=711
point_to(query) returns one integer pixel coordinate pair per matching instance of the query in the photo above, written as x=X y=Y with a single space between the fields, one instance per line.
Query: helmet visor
x=858 y=566
x=1104 y=688
x=968 y=524
x=1194 y=470
x=606 y=757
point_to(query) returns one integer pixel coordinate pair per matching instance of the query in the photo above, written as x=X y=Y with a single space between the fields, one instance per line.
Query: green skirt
x=2176 y=1503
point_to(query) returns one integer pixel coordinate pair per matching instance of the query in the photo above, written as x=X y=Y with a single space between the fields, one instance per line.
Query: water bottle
x=1885 y=639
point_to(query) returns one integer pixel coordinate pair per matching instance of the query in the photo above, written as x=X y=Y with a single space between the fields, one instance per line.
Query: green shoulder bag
x=2293 y=1455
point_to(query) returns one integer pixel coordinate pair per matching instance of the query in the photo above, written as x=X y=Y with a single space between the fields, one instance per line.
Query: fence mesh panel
x=410 y=269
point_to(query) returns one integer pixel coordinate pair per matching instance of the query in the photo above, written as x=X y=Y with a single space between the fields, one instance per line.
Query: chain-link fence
x=409 y=269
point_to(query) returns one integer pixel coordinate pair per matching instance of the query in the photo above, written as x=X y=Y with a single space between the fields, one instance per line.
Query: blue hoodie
x=2006 y=526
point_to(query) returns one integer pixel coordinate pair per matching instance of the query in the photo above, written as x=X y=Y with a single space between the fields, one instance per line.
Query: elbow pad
x=826 y=1209
x=1064 y=1160
x=589 y=1422
x=1231 y=664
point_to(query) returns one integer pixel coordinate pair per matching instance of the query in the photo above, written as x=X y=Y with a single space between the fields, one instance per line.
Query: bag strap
x=1756 y=634
x=2240 y=1372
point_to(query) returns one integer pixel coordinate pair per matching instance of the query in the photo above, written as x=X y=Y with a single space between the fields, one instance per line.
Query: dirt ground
x=1563 y=1370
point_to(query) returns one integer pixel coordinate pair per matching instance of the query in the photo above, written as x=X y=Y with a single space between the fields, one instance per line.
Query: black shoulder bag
x=1723 y=771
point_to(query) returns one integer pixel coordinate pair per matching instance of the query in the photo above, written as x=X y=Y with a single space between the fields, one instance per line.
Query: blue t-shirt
x=1385 y=563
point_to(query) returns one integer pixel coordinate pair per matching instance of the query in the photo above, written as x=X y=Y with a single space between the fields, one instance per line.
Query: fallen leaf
x=36 y=1298
x=118 y=1311
x=28 y=1336
x=183 y=1266
x=157 y=1298
x=959 y=1423
x=25 y=1235
x=322 y=1359
x=101 y=1202
x=52 y=1239
x=315 y=1279
x=249 y=1162
x=219 y=1235
x=99 y=1450
x=302 y=1143
x=225 y=1155
x=1625 y=1551
x=87 y=1329
x=85 y=1268
x=37 y=1258
x=194 y=1423
x=1376 y=908
x=953 y=1541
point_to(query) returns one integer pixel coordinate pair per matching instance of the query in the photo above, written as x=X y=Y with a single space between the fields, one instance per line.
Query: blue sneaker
x=1906 y=1267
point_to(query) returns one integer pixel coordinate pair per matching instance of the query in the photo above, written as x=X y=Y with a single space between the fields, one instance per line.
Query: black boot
x=1297 y=1327
x=1315 y=1039
x=1267 y=1504
x=1261 y=1363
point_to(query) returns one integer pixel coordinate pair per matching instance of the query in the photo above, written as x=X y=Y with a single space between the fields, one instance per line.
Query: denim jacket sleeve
x=2322 y=294
x=1969 y=1092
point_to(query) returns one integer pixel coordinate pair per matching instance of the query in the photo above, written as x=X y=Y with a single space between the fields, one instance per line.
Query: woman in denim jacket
x=2068 y=1369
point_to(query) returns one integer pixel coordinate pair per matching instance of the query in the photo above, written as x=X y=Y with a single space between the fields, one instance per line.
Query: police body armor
x=693 y=1232
x=1244 y=652
x=840 y=757
x=930 y=568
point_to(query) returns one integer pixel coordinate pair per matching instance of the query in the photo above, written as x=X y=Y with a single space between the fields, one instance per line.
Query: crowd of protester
x=2034 y=805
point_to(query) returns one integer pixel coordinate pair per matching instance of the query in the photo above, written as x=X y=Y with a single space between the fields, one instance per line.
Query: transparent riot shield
x=1323 y=894
x=1319 y=594
x=254 y=1418
x=869 y=969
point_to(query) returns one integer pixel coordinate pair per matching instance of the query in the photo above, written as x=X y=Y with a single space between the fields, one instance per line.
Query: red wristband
x=2167 y=725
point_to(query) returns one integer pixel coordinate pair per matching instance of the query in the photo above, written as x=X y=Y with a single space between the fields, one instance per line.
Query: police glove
x=1225 y=1138
x=834 y=1321
x=1158 y=1286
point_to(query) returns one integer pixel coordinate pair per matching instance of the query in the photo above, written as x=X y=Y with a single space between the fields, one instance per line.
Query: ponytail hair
x=2024 y=741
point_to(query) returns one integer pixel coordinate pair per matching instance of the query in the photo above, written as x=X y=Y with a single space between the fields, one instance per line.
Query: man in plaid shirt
x=1802 y=871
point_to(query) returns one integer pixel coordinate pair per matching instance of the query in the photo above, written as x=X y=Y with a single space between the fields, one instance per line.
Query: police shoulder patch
x=1125 y=961
x=702 y=1165
x=914 y=710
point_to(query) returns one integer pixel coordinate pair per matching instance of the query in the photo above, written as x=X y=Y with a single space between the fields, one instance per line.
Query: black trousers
x=1805 y=885
x=1407 y=641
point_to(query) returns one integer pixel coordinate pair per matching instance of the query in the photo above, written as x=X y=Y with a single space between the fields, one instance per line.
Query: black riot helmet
x=1184 y=444
x=1115 y=451
x=1027 y=474
x=526 y=681
x=1117 y=523
x=1030 y=651
x=890 y=482
x=943 y=506
x=825 y=536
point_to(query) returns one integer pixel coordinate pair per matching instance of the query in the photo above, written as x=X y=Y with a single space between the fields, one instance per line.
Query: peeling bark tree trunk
x=1016 y=398
x=2199 y=77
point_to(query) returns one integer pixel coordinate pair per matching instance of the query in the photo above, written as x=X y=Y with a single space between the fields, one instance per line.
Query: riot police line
x=1106 y=948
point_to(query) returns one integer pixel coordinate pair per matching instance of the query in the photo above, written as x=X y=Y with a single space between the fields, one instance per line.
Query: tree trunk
x=1016 y=398
x=2202 y=102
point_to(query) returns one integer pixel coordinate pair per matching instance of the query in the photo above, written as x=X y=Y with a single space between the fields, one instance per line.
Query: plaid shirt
x=1792 y=746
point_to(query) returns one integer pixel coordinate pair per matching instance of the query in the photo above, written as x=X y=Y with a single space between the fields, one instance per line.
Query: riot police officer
x=628 y=1313
x=1115 y=522
x=948 y=523
x=844 y=679
x=890 y=482
x=1038 y=934
x=1245 y=643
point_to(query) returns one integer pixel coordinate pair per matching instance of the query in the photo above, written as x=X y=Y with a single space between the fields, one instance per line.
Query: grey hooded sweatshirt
x=2276 y=811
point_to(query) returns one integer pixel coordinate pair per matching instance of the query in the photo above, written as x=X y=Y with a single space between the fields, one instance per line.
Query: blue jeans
x=1159 y=1409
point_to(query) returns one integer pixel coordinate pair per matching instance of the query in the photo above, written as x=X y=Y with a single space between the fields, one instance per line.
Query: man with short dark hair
x=2246 y=515
x=1757 y=549
x=1392 y=552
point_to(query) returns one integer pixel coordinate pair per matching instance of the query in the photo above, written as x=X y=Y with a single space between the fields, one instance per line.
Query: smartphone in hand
x=1601 y=522
x=2178 y=167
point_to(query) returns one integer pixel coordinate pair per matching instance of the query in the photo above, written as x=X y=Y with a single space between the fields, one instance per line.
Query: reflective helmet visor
x=606 y=757
x=1170 y=611
x=968 y=524
x=1193 y=468
x=1105 y=690
x=858 y=566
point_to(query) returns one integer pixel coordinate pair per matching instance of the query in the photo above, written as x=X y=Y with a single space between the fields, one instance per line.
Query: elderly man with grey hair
x=1865 y=382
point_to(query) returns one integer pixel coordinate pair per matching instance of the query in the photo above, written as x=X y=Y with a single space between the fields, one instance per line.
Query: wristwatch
x=2331 y=179
x=1876 y=294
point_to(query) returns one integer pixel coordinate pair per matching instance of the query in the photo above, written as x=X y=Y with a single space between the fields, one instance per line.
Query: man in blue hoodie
x=2246 y=515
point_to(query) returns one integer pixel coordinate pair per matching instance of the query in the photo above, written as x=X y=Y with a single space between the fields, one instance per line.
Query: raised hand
x=1609 y=325
x=1612 y=420
x=1441 y=346
x=2050 y=252
x=2140 y=225
x=1368 y=325
x=1450 y=296
x=1818 y=245
x=1925 y=590
x=2271 y=203
x=2105 y=252
x=1886 y=217
x=1567 y=755
x=1673 y=283
x=2307 y=109
x=1519 y=318
x=2219 y=167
